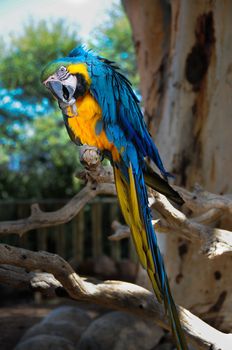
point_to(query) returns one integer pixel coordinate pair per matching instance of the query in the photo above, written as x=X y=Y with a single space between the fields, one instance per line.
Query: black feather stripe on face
x=82 y=86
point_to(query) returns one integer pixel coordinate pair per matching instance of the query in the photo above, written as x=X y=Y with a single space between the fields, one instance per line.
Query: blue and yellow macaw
x=100 y=109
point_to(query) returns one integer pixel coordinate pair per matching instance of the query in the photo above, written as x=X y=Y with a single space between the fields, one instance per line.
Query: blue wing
x=122 y=117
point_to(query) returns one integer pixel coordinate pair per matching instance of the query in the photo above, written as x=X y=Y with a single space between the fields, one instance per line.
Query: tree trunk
x=184 y=51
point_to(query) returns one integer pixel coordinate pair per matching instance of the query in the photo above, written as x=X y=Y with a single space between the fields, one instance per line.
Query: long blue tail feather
x=158 y=277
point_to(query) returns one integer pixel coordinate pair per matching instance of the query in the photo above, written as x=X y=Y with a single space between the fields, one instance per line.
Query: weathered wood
x=192 y=131
x=184 y=57
x=39 y=218
x=214 y=241
x=112 y=294
x=152 y=33
x=60 y=269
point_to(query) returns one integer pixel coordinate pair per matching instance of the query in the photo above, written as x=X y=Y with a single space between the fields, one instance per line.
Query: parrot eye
x=62 y=73
x=62 y=69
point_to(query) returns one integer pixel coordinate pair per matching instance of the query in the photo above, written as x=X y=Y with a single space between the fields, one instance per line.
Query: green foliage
x=37 y=159
x=47 y=159
x=40 y=43
x=113 y=40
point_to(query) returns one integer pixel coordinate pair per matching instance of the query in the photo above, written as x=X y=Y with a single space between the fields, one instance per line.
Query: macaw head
x=67 y=78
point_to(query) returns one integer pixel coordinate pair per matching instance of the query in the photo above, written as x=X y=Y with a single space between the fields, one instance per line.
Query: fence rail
x=86 y=235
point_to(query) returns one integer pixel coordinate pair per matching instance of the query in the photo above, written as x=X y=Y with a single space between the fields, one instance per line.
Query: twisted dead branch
x=124 y=296
x=60 y=279
x=99 y=180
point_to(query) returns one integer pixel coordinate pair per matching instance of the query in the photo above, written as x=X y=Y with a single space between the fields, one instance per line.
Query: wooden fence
x=84 y=236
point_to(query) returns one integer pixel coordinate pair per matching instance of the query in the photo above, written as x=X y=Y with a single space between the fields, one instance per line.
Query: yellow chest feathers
x=84 y=124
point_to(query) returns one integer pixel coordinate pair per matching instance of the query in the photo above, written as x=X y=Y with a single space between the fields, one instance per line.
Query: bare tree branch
x=19 y=277
x=39 y=218
x=214 y=241
x=112 y=294
x=201 y=201
x=60 y=276
x=120 y=231
x=99 y=180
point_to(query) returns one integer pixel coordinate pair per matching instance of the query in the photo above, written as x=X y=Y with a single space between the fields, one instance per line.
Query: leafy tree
x=40 y=43
x=22 y=96
x=36 y=156
x=42 y=164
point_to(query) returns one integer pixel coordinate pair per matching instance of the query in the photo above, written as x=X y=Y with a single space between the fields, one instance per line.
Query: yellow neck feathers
x=80 y=68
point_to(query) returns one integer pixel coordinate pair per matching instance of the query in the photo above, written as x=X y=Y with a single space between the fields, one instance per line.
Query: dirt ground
x=15 y=320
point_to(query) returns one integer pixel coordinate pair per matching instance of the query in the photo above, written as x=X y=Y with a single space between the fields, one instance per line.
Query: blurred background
x=37 y=160
x=177 y=54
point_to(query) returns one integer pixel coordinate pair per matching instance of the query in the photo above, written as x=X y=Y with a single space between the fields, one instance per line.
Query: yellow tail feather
x=130 y=208
x=129 y=202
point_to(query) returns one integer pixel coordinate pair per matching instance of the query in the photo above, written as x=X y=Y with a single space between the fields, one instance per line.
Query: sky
x=86 y=13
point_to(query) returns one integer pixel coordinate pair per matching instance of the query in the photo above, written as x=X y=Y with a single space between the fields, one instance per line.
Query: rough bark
x=184 y=59
x=192 y=116
x=213 y=242
x=61 y=279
